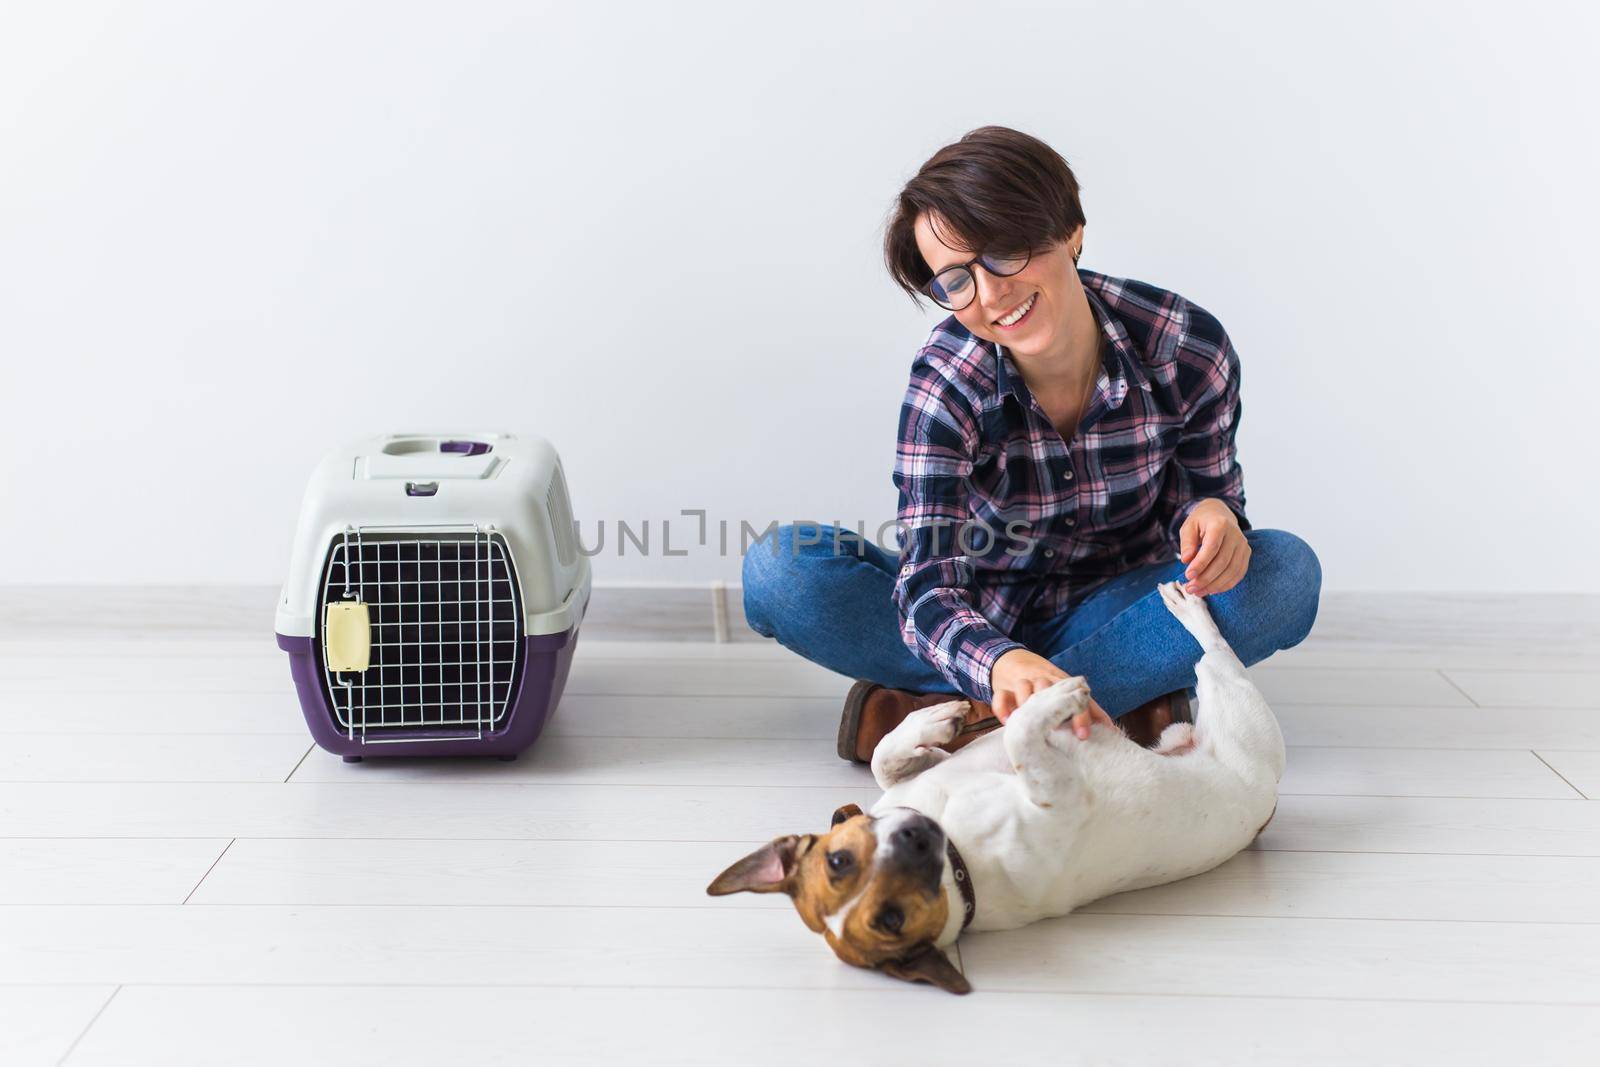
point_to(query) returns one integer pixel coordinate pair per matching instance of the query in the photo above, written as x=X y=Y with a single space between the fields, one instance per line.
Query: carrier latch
x=347 y=634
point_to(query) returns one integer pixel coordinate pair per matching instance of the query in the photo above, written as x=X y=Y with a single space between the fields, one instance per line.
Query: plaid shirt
x=1057 y=519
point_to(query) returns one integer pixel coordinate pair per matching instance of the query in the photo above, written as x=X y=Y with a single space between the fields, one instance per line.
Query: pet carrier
x=434 y=595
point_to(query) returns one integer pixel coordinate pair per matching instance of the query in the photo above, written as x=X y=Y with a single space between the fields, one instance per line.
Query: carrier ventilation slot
x=560 y=509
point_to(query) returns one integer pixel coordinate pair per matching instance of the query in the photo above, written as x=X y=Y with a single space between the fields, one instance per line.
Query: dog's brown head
x=871 y=887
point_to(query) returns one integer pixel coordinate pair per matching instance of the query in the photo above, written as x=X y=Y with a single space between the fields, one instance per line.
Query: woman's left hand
x=1214 y=547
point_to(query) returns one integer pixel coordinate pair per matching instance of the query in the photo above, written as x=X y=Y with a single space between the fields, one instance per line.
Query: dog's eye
x=840 y=862
x=890 y=919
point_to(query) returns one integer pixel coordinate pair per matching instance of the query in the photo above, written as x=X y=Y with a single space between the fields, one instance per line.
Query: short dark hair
x=999 y=190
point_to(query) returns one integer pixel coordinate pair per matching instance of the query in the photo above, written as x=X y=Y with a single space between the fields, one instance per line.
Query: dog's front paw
x=1192 y=612
x=1058 y=703
x=933 y=726
x=1188 y=608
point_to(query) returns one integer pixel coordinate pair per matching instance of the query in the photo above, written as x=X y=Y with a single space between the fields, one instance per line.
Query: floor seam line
x=1559 y=775
x=1452 y=683
x=298 y=762
x=87 y=1027
x=209 y=869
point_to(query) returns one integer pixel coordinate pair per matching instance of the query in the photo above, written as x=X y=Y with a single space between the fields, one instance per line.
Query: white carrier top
x=445 y=483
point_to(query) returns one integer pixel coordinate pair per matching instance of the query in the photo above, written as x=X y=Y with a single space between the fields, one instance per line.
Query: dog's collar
x=958 y=870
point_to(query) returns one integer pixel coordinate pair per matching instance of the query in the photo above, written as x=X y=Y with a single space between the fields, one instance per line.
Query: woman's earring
x=1075 y=254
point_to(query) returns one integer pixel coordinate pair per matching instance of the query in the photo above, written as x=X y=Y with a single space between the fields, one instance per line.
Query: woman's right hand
x=1019 y=674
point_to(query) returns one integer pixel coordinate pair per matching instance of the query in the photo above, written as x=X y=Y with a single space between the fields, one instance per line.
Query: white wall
x=232 y=235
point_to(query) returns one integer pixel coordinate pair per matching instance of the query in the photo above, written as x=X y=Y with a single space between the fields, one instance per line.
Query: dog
x=1027 y=822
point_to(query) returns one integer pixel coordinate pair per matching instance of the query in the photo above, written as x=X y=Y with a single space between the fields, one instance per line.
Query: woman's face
x=1048 y=288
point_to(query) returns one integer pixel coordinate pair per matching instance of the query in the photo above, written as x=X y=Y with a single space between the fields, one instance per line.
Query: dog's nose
x=914 y=838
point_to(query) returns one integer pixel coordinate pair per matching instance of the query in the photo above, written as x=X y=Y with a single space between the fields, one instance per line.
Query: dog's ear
x=766 y=870
x=849 y=811
x=928 y=964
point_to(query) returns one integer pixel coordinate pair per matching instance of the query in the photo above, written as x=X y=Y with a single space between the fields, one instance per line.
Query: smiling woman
x=1066 y=444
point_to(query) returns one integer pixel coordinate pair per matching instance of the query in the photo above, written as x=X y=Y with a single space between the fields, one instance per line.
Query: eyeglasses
x=954 y=287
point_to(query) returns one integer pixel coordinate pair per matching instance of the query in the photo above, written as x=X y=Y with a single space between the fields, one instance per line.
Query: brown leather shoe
x=1144 y=723
x=872 y=710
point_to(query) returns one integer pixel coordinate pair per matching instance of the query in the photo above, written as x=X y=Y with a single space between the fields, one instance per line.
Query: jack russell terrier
x=1027 y=822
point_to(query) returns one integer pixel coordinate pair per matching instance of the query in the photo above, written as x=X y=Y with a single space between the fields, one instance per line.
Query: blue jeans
x=837 y=609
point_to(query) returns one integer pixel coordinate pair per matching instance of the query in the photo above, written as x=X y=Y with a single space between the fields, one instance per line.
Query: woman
x=1066 y=444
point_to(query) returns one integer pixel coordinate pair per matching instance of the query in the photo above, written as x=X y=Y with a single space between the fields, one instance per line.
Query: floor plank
x=784 y=718
x=1340 y=725
x=1434 y=825
x=777 y=717
x=1389 y=960
x=1530 y=689
x=674 y=874
x=587 y=946
x=151 y=713
x=38 y=1024
x=298 y=1024
x=527 y=811
x=753 y=762
x=150 y=757
x=620 y=761
x=770 y=717
x=1372 y=687
x=1510 y=656
x=1125 y=954
x=1419 y=772
x=663 y=874
x=1352 y=885
x=134 y=612
x=98 y=871
x=464 y=811
x=120 y=673
x=520 y=811
x=1439 y=728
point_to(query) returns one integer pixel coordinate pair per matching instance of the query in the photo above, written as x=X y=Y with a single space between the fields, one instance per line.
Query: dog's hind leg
x=1040 y=746
x=910 y=748
x=1232 y=717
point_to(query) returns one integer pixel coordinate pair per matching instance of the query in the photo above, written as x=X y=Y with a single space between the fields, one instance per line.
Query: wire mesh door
x=446 y=622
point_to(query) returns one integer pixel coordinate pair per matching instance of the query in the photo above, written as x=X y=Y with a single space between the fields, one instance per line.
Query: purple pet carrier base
x=546 y=659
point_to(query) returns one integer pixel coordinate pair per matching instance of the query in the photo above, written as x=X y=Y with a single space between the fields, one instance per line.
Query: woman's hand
x=1019 y=674
x=1214 y=547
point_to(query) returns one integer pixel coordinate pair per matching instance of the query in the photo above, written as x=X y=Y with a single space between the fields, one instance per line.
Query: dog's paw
x=933 y=726
x=1058 y=703
x=1176 y=740
x=1189 y=610
x=1176 y=597
x=1072 y=687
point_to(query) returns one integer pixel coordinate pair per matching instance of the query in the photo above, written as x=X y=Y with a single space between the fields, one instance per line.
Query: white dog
x=1028 y=822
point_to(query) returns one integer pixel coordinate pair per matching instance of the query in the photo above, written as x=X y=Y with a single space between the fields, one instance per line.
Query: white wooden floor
x=183 y=879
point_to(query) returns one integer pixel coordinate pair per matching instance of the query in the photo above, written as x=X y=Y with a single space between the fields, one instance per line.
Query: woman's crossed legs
x=826 y=593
